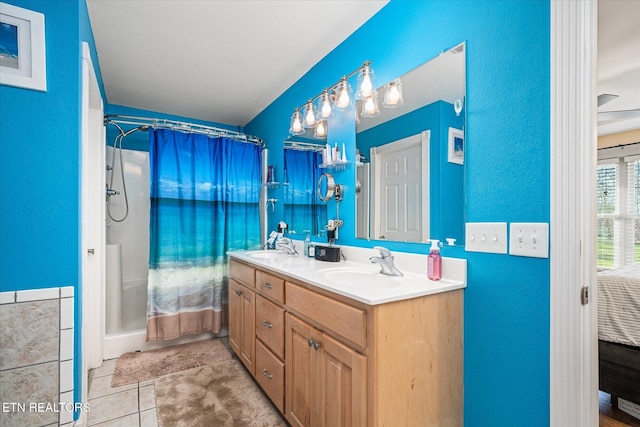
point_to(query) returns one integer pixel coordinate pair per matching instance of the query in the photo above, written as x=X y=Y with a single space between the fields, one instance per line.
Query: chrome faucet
x=287 y=244
x=386 y=262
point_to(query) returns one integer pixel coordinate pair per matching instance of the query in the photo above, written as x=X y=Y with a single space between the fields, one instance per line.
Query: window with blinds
x=618 y=207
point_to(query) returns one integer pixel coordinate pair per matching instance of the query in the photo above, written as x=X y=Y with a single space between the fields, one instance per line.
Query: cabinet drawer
x=270 y=325
x=270 y=375
x=270 y=285
x=242 y=272
x=345 y=320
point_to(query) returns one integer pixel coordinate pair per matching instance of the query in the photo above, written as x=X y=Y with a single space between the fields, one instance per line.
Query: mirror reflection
x=411 y=158
x=303 y=210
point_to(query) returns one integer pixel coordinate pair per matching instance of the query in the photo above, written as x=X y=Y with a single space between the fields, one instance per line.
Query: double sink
x=361 y=281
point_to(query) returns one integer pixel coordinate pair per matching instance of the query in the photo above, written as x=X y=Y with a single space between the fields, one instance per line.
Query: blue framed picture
x=22 y=48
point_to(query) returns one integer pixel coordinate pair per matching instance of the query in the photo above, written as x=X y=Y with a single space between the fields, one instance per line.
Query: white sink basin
x=265 y=254
x=364 y=278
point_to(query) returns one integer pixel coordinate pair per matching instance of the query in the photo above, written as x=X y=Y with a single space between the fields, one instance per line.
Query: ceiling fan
x=614 y=115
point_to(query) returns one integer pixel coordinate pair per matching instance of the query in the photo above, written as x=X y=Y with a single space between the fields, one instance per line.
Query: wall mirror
x=304 y=212
x=410 y=165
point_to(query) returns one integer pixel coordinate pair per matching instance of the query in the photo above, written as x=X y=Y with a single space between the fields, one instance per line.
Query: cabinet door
x=298 y=371
x=242 y=328
x=339 y=378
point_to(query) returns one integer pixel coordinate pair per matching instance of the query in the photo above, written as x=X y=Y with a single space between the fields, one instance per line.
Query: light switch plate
x=486 y=237
x=530 y=239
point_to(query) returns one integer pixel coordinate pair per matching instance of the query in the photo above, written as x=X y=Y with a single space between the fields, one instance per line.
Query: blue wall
x=506 y=376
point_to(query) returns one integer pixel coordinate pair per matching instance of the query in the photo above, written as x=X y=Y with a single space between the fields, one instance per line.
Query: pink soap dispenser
x=434 y=262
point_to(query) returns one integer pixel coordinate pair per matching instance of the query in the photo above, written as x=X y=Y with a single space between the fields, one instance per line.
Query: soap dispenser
x=434 y=262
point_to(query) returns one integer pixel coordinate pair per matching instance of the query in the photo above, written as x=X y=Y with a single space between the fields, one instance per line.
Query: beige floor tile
x=149 y=418
x=101 y=386
x=147 y=382
x=113 y=406
x=107 y=368
x=147 y=397
x=132 y=420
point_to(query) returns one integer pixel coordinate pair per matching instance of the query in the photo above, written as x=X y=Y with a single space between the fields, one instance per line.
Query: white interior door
x=92 y=219
x=401 y=175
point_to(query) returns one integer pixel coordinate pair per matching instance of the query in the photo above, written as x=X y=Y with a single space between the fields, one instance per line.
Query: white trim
x=92 y=223
x=573 y=332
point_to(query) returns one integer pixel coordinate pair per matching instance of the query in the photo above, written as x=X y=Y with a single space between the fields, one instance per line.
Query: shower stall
x=127 y=232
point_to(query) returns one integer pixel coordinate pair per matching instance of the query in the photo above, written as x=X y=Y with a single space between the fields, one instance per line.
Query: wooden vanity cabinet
x=326 y=380
x=346 y=363
x=242 y=309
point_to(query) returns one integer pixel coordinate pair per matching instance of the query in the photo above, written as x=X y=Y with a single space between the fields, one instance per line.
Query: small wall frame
x=456 y=146
x=23 y=56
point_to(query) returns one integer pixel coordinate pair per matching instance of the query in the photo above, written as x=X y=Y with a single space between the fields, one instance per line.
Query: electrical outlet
x=529 y=239
x=486 y=237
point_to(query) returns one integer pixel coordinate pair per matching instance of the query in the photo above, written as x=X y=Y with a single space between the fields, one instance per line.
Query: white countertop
x=361 y=280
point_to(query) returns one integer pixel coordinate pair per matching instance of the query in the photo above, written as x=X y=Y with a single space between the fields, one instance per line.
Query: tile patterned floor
x=126 y=406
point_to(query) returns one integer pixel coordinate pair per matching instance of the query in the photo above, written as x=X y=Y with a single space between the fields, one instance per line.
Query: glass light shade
x=324 y=105
x=365 y=82
x=370 y=106
x=309 y=115
x=393 y=97
x=342 y=99
x=296 y=127
x=320 y=132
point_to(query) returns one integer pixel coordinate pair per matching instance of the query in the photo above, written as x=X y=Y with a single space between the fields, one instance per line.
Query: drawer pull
x=310 y=342
x=238 y=292
x=267 y=374
x=267 y=286
x=267 y=324
x=316 y=345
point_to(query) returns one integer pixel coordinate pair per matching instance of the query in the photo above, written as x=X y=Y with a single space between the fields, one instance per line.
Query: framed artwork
x=456 y=146
x=22 y=48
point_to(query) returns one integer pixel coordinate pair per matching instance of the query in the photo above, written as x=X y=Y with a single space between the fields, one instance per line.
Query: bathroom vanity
x=333 y=344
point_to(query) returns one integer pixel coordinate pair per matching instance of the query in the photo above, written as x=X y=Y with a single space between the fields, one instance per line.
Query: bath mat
x=221 y=395
x=146 y=365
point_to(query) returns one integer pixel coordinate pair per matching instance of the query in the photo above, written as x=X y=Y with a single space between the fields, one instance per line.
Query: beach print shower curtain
x=204 y=202
x=304 y=211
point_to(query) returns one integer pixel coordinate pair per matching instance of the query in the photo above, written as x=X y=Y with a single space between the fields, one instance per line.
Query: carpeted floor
x=142 y=366
x=221 y=394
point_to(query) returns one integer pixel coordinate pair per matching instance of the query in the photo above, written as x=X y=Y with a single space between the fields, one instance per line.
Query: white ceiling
x=619 y=62
x=225 y=61
x=222 y=61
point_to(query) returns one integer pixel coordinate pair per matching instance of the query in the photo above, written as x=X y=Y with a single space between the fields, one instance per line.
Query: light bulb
x=368 y=105
x=310 y=115
x=325 y=105
x=343 y=99
x=394 y=95
x=366 y=86
x=320 y=131
x=297 y=126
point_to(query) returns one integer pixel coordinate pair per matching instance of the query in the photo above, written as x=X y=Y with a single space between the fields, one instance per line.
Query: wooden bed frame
x=619 y=367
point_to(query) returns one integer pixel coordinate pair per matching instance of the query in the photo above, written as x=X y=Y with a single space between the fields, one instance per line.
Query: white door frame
x=573 y=326
x=92 y=219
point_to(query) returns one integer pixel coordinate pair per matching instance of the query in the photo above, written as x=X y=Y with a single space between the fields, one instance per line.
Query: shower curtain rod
x=180 y=126
x=303 y=146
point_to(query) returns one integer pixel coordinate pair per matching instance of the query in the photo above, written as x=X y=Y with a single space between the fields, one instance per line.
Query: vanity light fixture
x=320 y=132
x=339 y=97
x=296 y=127
x=393 y=97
